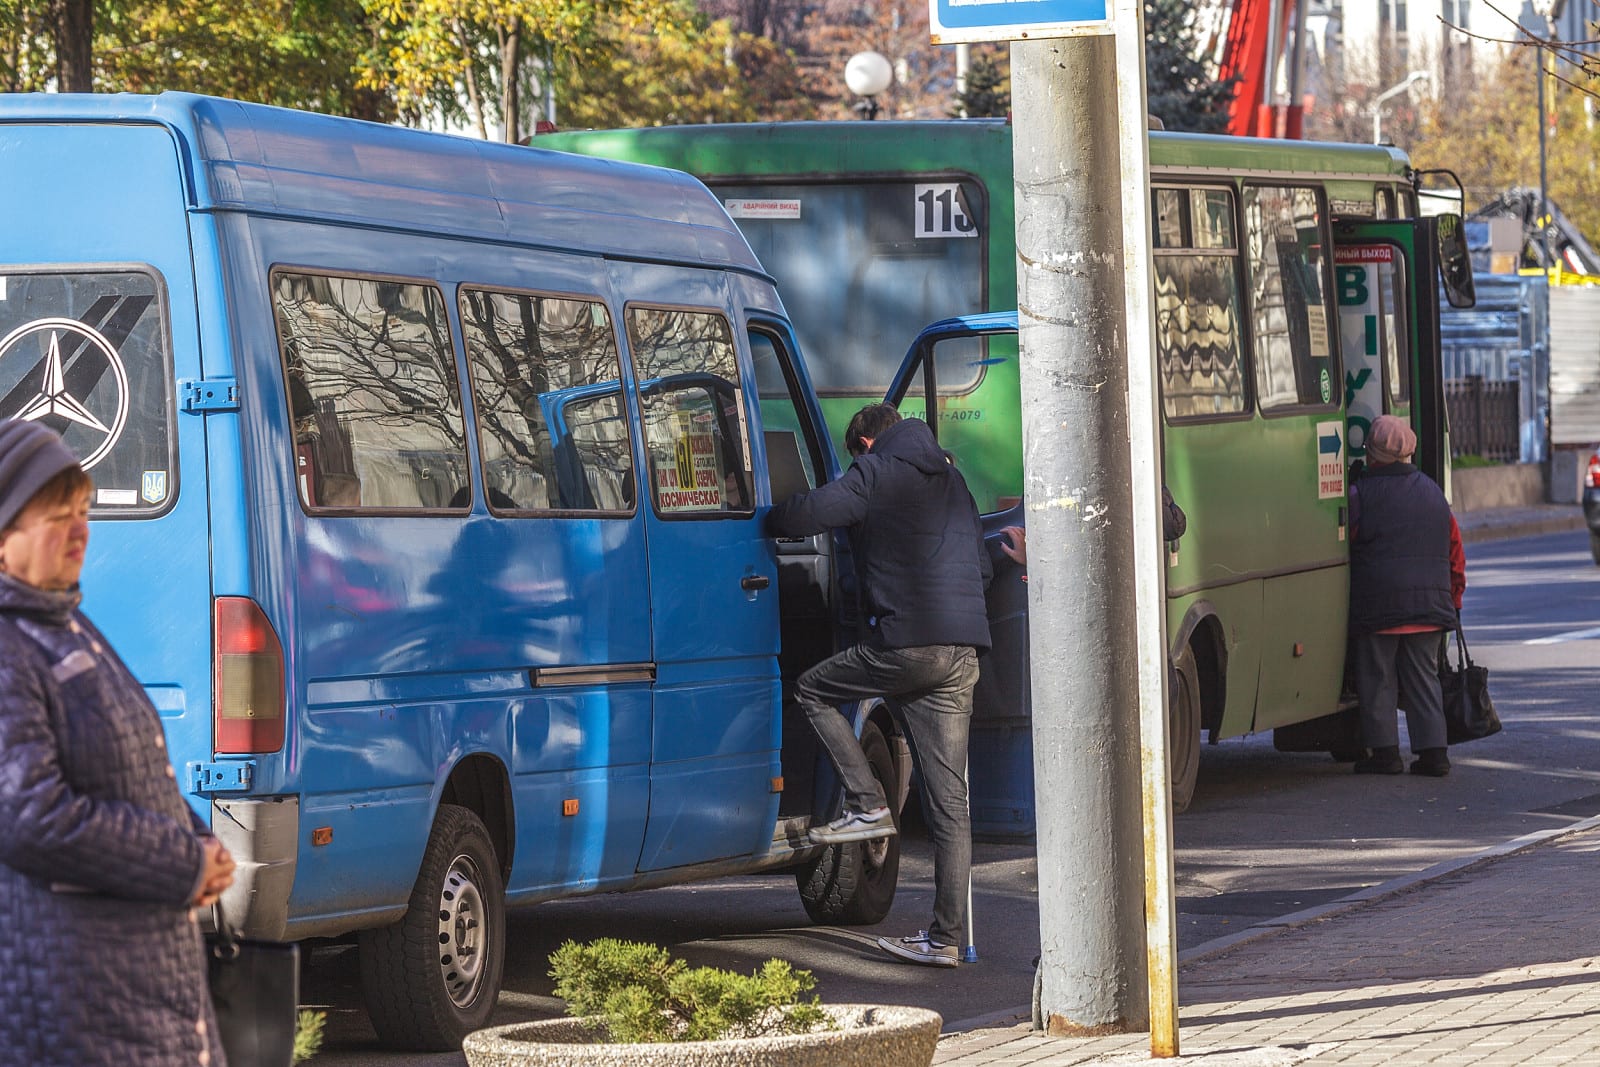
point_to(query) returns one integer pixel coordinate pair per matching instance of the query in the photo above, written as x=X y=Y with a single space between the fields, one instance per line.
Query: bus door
x=715 y=771
x=1389 y=329
x=98 y=324
x=935 y=377
x=946 y=351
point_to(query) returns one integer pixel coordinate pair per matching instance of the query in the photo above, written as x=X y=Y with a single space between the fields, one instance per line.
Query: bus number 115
x=941 y=212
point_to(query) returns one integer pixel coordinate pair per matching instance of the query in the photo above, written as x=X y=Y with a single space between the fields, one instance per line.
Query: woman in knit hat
x=1407 y=574
x=102 y=862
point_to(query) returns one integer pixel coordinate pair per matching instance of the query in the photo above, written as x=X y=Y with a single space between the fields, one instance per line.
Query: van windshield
x=87 y=353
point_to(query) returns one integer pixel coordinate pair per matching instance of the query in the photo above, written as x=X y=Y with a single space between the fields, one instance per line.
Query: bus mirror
x=1455 y=262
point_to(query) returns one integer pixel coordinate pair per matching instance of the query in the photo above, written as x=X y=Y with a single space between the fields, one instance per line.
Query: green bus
x=1294 y=302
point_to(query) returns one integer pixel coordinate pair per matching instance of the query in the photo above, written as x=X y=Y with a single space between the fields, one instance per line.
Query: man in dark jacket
x=1407 y=574
x=923 y=568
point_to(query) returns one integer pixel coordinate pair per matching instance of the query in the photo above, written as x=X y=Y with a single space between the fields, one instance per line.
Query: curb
x=1393 y=887
x=1524 y=528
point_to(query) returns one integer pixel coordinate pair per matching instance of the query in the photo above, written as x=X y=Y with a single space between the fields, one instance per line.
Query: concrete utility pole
x=1092 y=485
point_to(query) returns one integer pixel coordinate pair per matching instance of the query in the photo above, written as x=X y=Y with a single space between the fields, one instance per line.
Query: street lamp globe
x=868 y=73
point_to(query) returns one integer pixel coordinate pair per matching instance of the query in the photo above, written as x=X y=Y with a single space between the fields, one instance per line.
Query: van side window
x=793 y=458
x=1199 y=336
x=1289 y=298
x=552 y=429
x=692 y=403
x=373 y=395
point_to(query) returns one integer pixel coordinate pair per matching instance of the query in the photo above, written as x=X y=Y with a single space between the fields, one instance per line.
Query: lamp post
x=1544 y=9
x=868 y=74
x=1393 y=91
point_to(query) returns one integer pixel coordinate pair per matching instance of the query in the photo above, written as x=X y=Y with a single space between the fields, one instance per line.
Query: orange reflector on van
x=777 y=784
x=322 y=835
x=569 y=806
x=247 y=678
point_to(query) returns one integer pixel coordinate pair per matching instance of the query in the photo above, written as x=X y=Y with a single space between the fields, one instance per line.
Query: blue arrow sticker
x=1328 y=443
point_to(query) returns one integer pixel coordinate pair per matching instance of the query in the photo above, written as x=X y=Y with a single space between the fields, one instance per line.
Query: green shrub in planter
x=639 y=993
x=308 y=1035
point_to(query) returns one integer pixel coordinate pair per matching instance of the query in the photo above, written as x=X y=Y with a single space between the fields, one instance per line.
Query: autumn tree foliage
x=717 y=74
x=301 y=53
x=487 y=58
x=1490 y=138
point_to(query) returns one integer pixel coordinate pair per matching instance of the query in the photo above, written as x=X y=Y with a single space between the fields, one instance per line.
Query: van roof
x=277 y=161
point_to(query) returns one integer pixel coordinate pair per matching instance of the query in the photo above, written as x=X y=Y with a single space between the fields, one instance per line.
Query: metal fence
x=1485 y=418
x=1505 y=338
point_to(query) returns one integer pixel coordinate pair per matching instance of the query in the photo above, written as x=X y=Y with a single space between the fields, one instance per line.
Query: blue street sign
x=956 y=21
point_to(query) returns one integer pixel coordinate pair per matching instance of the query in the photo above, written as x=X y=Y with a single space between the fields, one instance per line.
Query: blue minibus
x=429 y=485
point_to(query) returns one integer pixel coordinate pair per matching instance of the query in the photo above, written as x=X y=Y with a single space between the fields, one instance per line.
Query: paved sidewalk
x=1493 y=959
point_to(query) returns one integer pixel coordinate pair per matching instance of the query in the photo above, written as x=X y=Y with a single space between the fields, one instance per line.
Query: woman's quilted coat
x=101 y=958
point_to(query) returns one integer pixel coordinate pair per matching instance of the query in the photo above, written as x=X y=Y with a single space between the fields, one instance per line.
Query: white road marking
x=1570 y=635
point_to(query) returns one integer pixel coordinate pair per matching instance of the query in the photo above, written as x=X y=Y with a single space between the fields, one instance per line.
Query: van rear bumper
x=263 y=834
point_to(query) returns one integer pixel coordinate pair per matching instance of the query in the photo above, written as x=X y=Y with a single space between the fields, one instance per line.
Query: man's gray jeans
x=929 y=691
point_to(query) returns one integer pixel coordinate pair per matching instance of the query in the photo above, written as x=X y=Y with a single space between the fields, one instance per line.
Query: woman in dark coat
x=1407 y=574
x=102 y=862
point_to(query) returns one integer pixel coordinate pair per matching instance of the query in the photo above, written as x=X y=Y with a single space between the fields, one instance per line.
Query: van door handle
x=754 y=581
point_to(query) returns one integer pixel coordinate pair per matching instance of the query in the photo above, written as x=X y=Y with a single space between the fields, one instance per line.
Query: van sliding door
x=714 y=771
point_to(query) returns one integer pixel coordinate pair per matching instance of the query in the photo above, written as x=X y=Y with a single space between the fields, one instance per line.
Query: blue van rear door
x=97 y=324
x=715 y=737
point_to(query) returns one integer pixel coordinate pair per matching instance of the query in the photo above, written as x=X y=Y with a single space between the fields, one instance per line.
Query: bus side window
x=1295 y=366
x=692 y=404
x=546 y=383
x=372 y=392
x=1198 y=336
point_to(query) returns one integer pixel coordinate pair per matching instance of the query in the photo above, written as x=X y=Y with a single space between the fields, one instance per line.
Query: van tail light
x=1592 y=479
x=247 y=678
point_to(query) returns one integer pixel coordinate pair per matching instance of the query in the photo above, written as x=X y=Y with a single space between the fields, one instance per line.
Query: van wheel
x=433 y=977
x=1183 y=728
x=1594 y=546
x=853 y=884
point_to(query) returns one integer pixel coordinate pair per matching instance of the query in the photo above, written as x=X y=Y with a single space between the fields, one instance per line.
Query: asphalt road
x=1268 y=833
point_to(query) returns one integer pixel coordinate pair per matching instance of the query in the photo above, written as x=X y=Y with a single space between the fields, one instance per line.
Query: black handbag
x=1468 y=709
x=255 y=990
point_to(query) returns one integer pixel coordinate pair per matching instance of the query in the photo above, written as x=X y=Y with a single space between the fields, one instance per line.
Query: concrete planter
x=868 y=1036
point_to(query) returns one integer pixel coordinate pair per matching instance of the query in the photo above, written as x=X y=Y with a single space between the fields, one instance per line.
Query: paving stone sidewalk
x=1493 y=962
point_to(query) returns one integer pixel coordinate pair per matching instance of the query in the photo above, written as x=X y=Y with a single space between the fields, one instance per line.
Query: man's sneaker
x=921 y=949
x=854 y=826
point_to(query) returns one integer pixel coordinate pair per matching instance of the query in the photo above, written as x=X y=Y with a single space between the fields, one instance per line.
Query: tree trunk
x=470 y=73
x=75 y=45
x=510 y=87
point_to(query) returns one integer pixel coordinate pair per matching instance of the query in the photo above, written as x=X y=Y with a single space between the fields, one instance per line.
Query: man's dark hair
x=870 y=421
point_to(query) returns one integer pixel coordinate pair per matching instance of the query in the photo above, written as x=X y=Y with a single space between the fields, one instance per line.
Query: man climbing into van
x=918 y=546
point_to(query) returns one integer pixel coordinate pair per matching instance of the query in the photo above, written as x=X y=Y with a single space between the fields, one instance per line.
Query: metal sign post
x=1092 y=485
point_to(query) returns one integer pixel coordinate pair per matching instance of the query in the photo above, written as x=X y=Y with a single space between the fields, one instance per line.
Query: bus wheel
x=1183 y=728
x=433 y=977
x=853 y=884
